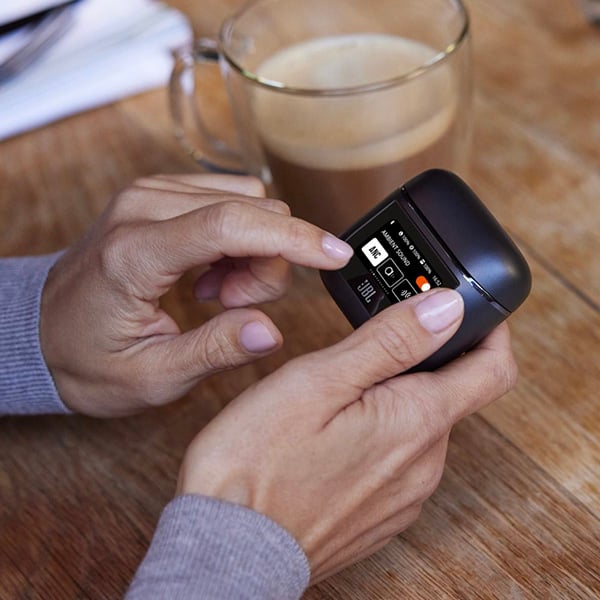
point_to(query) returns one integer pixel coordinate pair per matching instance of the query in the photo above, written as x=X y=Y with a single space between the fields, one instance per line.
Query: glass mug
x=337 y=103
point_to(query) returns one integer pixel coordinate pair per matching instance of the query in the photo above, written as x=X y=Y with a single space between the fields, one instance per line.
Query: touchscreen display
x=398 y=262
x=392 y=262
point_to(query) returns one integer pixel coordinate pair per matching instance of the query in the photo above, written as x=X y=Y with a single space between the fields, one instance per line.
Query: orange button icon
x=423 y=284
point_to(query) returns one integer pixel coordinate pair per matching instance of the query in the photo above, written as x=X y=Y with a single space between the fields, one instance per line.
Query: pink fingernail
x=256 y=338
x=336 y=248
x=440 y=310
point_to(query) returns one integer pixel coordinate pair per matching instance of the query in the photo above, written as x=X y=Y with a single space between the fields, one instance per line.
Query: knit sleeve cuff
x=208 y=548
x=26 y=386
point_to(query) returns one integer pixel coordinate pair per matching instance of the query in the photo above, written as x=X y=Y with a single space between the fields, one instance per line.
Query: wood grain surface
x=517 y=514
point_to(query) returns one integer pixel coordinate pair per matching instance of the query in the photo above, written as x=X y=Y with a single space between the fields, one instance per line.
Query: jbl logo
x=366 y=290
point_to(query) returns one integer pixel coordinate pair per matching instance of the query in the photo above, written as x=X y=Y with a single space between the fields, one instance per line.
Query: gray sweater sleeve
x=207 y=549
x=26 y=386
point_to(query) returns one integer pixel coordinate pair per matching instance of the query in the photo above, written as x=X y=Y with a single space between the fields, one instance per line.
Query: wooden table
x=517 y=514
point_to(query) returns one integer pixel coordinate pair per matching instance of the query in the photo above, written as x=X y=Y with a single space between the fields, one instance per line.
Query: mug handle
x=186 y=115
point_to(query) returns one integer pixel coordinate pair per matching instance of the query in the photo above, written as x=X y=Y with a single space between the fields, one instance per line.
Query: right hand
x=337 y=447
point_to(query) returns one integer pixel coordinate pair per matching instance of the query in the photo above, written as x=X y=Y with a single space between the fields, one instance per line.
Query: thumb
x=231 y=339
x=392 y=342
x=400 y=337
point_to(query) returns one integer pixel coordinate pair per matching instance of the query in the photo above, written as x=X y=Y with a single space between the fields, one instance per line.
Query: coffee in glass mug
x=336 y=104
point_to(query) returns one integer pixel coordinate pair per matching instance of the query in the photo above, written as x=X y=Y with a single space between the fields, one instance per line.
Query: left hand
x=111 y=348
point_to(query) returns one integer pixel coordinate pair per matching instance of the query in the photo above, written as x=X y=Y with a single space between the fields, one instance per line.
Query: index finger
x=228 y=229
x=159 y=199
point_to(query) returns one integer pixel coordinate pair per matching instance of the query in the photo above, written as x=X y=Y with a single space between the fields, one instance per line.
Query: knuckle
x=297 y=232
x=277 y=206
x=272 y=290
x=274 y=282
x=399 y=341
x=387 y=401
x=431 y=424
x=114 y=254
x=404 y=408
x=425 y=409
x=124 y=204
x=222 y=218
x=217 y=350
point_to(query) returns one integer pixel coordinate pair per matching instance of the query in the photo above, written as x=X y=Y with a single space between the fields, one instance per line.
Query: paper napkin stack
x=114 y=48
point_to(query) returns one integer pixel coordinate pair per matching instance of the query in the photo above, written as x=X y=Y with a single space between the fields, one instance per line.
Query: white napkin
x=115 y=48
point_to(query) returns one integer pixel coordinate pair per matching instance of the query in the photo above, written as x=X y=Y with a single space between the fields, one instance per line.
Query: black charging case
x=432 y=232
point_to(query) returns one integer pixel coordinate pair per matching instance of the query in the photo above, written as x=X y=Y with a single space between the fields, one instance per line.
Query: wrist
x=50 y=341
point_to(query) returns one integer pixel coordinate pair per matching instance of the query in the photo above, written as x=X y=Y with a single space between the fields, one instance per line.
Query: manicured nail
x=336 y=248
x=255 y=337
x=438 y=311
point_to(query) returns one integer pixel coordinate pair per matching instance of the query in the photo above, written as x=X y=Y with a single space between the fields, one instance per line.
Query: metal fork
x=43 y=34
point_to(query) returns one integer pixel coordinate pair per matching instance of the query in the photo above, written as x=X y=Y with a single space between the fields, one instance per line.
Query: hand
x=337 y=447
x=110 y=347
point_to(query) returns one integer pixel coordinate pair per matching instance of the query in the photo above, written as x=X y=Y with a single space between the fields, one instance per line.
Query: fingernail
x=438 y=311
x=255 y=337
x=336 y=248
